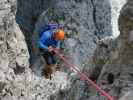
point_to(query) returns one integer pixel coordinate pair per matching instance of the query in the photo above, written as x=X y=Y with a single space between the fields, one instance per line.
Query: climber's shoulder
x=46 y=34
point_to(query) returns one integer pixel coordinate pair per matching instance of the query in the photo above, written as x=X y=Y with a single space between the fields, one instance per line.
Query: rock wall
x=17 y=82
x=14 y=51
x=14 y=54
x=86 y=23
x=118 y=70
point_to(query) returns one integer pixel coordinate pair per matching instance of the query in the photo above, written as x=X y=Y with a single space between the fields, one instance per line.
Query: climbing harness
x=82 y=75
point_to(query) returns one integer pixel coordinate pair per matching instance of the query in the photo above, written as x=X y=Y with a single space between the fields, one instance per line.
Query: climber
x=50 y=37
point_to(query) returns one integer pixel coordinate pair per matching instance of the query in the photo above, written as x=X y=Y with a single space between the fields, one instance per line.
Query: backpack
x=48 y=27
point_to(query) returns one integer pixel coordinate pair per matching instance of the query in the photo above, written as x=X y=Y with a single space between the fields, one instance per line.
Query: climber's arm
x=42 y=40
x=42 y=46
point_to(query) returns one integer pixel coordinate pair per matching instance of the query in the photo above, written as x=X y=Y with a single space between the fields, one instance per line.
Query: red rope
x=82 y=75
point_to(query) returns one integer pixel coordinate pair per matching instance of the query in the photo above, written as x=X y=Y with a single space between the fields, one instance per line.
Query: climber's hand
x=50 y=48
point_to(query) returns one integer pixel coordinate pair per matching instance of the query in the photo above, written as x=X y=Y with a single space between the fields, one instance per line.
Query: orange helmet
x=59 y=34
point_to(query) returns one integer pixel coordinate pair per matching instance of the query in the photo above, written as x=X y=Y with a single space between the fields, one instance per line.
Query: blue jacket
x=47 y=40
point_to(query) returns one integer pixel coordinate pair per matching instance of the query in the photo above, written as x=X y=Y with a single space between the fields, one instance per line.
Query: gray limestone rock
x=91 y=28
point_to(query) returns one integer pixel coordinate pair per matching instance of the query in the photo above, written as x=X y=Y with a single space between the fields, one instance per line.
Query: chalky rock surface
x=92 y=43
x=17 y=82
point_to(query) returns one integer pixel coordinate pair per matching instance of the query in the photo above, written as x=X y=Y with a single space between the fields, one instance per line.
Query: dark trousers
x=48 y=56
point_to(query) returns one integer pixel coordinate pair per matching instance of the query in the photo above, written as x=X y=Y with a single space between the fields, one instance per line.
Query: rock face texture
x=90 y=27
x=14 y=53
x=118 y=70
x=84 y=23
x=13 y=50
x=17 y=82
